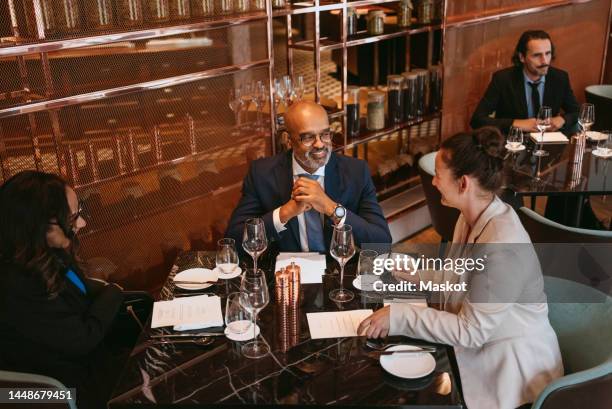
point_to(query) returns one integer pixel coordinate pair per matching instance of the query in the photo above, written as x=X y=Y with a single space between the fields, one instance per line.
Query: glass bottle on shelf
x=376 y=22
x=395 y=105
x=404 y=13
x=48 y=17
x=259 y=4
x=425 y=11
x=157 y=11
x=241 y=6
x=98 y=14
x=351 y=21
x=279 y=4
x=438 y=10
x=227 y=6
x=376 y=110
x=410 y=94
x=179 y=9
x=67 y=16
x=422 y=91
x=129 y=12
x=202 y=8
x=352 y=111
x=435 y=88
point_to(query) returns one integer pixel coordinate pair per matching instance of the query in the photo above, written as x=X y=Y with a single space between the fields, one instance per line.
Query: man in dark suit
x=516 y=94
x=302 y=193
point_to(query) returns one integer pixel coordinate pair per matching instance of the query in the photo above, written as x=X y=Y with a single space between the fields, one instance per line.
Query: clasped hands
x=306 y=194
x=529 y=124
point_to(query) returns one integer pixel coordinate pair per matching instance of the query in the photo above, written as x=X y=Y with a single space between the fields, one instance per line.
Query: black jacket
x=60 y=337
x=347 y=181
x=505 y=97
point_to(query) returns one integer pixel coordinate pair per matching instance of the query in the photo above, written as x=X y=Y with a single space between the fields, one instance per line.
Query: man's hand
x=557 y=123
x=310 y=191
x=292 y=209
x=376 y=325
x=527 y=125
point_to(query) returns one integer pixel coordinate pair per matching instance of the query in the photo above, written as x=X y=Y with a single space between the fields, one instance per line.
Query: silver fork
x=378 y=347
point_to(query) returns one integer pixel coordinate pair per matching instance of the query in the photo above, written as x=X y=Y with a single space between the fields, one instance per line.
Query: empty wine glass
x=604 y=145
x=342 y=249
x=279 y=91
x=254 y=297
x=299 y=87
x=227 y=257
x=366 y=265
x=237 y=318
x=515 y=138
x=260 y=96
x=235 y=104
x=254 y=239
x=246 y=94
x=288 y=89
x=586 y=118
x=543 y=123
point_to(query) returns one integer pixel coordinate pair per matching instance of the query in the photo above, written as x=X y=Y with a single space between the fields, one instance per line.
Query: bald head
x=305 y=116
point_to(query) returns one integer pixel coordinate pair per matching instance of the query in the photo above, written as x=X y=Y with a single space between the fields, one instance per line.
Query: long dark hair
x=526 y=37
x=479 y=154
x=28 y=201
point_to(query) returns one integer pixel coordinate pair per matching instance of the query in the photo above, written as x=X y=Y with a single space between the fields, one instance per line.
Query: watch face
x=339 y=212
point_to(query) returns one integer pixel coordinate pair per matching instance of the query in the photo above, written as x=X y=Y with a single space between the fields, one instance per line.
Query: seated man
x=515 y=94
x=302 y=193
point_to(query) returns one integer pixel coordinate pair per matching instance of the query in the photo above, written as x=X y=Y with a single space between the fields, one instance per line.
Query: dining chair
x=543 y=230
x=582 y=319
x=443 y=218
x=10 y=379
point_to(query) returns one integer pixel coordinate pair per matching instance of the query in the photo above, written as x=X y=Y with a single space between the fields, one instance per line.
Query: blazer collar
x=495 y=207
x=284 y=183
x=519 y=89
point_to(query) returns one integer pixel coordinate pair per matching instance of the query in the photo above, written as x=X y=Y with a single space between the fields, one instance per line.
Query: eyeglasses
x=308 y=138
x=73 y=217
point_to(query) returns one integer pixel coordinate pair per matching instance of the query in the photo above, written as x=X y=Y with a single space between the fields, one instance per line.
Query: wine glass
x=254 y=239
x=235 y=104
x=288 y=87
x=260 y=96
x=543 y=123
x=237 y=318
x=227 y=257
x=299 y=87
x=604 y=145
x=515 y=138
x=246 y=94
x=586 y=118
x=254 y=297
x=342 y=249
x=366 y=265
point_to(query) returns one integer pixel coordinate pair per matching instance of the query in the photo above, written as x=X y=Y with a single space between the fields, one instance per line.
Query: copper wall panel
x=472 y=53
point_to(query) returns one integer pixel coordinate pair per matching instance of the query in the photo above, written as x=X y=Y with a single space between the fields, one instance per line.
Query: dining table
x=298 y=371
x=565 y=171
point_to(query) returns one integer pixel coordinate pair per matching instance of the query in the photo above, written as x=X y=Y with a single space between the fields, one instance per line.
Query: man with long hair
x=515 y=94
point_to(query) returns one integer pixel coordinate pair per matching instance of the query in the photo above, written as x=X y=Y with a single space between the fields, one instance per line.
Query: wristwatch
x=338 y=213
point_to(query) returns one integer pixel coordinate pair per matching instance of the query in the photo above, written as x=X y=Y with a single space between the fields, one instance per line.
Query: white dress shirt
x=279 y=226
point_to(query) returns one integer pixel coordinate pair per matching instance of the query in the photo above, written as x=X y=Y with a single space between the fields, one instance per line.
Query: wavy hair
x=526 y=37
x=28 y=201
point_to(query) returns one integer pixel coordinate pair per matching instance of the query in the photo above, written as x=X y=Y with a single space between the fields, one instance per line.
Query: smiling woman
x=54 y=317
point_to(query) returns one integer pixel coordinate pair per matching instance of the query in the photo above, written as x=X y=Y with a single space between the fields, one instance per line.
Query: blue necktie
x=314 y=227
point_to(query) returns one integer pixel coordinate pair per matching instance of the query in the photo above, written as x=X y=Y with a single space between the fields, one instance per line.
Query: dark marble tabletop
x=557 y=174
x=298 y=371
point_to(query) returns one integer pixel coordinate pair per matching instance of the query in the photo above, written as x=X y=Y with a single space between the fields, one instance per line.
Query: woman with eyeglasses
x=54 y=319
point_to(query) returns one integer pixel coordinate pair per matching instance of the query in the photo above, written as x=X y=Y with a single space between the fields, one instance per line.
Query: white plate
x=357 y=282
x=223 y=276
x=597 y=153
x=408 y=366
x=245 y=336
x=520 y=148
x=596 y=136
x=195 y=274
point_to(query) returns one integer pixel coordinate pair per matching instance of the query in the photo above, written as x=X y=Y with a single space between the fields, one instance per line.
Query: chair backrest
x=601 y=97
x=443 y=218
x=9 y=379
x=583 y=326
x=543 y=230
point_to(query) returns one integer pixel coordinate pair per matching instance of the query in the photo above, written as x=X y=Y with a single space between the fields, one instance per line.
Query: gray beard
x=313 y=163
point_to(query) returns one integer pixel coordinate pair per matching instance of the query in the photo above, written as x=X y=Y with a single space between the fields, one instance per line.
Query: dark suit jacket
x=269 y=183
x=60 y=337
x=506 y=97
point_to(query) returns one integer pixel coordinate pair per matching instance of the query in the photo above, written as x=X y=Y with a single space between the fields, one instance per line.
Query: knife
x=192 y=335
x=409 y=351
x=194 y=282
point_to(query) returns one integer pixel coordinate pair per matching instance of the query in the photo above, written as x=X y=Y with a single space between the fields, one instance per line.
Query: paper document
x=185 y=313
x=312 y=265
x=549 y=137
x=335 y=324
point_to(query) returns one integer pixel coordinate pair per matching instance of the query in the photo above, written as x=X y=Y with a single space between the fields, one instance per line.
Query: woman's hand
x=376 y=325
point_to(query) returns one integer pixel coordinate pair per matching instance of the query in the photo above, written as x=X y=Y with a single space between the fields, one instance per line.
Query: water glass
x=227 y=256
x=237 y=318
x=366 y=265
x=604 y=145
x=515 y=138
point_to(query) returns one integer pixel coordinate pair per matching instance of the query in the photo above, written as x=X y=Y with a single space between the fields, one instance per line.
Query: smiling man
x=302 y=193
x=515 y=94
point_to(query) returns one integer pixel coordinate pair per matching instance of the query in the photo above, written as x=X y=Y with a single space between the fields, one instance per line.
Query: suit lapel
x=284 y=183
x=333 y=188
x=520 y=96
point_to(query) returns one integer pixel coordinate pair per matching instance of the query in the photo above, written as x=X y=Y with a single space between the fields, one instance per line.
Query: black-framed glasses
x=308 y=138
x=74 y=216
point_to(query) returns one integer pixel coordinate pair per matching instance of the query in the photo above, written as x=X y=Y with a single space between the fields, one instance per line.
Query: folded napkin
x=549 y=137
x=596 y=136
x=312 y=265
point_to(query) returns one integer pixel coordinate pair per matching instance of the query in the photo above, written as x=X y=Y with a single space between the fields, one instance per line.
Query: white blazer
x=506 y=351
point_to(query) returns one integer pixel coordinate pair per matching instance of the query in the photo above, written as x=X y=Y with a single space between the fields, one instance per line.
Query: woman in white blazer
x=506 y=350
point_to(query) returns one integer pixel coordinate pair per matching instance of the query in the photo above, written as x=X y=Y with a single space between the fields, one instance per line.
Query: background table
x=312 y=373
